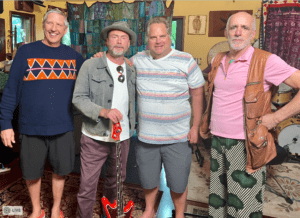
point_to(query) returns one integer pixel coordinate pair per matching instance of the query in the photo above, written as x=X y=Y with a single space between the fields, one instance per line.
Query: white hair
x=57 y=11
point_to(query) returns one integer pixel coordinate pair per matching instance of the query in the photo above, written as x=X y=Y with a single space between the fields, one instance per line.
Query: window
x=177 y=34
x=22 y=28
x=66 y=40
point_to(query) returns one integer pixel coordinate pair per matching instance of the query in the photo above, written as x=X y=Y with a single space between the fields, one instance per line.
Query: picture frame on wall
x=218 y=21
x=197 y=25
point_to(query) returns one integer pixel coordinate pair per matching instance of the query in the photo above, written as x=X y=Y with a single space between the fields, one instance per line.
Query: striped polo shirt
x=164 y=111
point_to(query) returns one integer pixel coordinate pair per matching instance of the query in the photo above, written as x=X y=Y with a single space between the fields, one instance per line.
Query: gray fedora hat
x=120 y=25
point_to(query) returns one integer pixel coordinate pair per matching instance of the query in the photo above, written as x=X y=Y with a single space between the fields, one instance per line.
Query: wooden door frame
x=32 y=26
x=183 y=28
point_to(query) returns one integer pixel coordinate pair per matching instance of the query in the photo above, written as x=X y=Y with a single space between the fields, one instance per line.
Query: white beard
x=238 y=46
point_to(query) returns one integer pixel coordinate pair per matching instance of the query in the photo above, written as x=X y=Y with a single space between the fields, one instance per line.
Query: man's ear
x=253 y=34
x=225 y=33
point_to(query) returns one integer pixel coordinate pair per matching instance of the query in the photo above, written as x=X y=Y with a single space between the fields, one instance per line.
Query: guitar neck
x=116 y=132
x=120 y=206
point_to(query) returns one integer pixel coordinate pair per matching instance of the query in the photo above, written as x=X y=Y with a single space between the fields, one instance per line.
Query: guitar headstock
x=116 y=131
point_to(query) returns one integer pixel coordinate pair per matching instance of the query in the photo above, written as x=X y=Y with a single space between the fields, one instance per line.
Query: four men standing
x=104 y=93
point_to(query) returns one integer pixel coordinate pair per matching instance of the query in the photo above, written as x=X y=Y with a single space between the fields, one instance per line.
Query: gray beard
x=240 y=47
x=117 y=54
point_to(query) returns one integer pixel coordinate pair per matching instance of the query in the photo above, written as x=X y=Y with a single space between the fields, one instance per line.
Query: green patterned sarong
x=233 y=191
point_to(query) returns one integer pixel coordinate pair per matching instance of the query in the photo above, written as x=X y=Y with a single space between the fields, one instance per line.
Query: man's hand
x=98 y=55
x=113 y=114
x=269 y=121
x=8 y=137
x=193 y=135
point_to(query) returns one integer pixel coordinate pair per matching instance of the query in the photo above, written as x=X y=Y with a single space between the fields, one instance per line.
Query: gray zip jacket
x=94 y=90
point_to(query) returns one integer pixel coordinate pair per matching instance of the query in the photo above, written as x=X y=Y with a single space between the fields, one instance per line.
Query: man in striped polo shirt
x=166 y=79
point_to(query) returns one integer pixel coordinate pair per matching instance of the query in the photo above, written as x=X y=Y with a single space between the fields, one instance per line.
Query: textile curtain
x=86 y=23
x=282 y=33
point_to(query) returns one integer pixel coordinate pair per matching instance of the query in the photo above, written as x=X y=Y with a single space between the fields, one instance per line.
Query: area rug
x=286 y=175
x=198 y=186
x=16 y=194
x=194 y=208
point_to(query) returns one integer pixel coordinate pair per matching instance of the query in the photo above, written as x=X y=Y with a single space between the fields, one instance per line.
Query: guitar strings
x=119 y=180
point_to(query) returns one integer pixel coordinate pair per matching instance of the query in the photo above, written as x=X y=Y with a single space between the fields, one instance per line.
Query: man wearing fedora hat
x=105 y=94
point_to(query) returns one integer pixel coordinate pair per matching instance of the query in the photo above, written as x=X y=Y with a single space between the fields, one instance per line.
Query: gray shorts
x=177 y=159
x=60 y=150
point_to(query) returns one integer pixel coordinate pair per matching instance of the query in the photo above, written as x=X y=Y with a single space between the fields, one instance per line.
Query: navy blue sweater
x=41 y=80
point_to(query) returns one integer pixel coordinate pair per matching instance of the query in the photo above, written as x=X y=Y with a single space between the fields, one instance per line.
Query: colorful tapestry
x=282 y=32
x=86 y=23
x=265 y=5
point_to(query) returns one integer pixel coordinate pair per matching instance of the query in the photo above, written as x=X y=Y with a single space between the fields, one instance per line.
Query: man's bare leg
x=179 y=200
x=34 y=188
x=150 y=197
x=58 y=183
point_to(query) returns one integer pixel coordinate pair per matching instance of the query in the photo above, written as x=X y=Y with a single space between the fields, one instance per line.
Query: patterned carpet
x=287 y=176
x=16 y=194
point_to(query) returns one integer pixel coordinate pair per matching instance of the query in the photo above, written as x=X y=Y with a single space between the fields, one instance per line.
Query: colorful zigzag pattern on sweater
x=43 y=69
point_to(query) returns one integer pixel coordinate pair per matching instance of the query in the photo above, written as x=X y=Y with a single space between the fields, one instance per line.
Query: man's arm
x=290 y=109
x=11 y=97
x=197 y=109
x=81 y=96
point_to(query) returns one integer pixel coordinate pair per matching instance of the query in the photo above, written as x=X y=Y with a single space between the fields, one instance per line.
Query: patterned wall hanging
x=86 y=22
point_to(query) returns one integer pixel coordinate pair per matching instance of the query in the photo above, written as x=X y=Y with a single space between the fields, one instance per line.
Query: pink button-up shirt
x=227 y=108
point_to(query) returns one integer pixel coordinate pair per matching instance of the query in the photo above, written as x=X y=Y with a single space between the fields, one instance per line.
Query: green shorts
x=60 y=150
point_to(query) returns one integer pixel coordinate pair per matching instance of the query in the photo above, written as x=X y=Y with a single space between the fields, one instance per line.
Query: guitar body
x=111 y=210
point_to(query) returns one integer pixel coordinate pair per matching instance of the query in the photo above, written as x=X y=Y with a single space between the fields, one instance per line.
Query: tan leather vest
x=259 y=141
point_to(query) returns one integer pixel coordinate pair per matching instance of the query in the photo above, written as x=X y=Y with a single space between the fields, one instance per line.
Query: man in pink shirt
x=234 y=192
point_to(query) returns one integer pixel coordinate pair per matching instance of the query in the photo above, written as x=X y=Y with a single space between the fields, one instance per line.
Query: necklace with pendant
x=232 y=60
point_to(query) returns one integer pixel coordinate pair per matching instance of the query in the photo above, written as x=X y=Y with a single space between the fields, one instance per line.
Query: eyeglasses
x=121 y=77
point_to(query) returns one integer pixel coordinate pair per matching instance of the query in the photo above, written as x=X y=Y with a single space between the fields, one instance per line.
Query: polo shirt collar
x=246 y=57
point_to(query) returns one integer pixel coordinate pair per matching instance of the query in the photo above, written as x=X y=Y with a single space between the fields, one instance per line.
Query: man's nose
x=53 y=27
x=119 y=40
x=238 y=31
x=158 y=40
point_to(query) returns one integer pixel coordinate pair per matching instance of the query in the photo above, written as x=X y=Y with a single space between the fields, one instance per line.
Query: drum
x=283 y=95
x=288 y=134
x=273 y=108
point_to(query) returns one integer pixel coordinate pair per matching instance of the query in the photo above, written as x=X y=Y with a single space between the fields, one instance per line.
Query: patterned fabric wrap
x=282 y=31
x=86 y=23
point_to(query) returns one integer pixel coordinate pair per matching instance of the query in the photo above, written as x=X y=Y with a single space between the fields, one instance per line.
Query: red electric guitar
x=116 y=209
